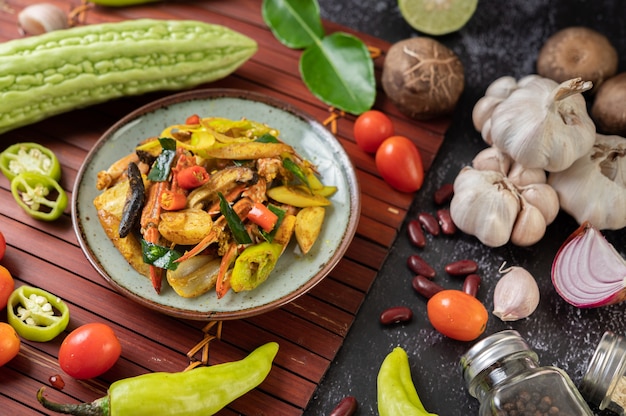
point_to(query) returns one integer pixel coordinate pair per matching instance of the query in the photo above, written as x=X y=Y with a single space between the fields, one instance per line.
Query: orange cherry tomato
x=399 y=162
x=9 y=343
x=371 y=128
x=457 y=315
x=7 y=285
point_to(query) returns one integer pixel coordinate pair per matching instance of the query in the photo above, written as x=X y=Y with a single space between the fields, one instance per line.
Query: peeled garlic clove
x=41 y=18
x=516 y=295
x=529 y=227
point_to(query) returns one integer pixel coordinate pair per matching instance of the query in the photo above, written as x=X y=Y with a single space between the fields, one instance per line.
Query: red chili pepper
x=263 y=217
x=192 y=177
x=172 y=201
x=193 y=119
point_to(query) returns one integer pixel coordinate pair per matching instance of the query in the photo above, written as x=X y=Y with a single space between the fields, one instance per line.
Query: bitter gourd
x=45 y=75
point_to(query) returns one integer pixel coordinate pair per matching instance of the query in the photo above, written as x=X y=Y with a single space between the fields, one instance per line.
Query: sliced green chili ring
x=29 y=157
x=37 y=315
x=159 y=256
x=160 y=170
x=237 y=228
x=254 y=265
x=40 y=196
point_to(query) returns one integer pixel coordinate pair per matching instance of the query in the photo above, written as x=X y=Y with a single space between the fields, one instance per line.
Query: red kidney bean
x=471 y=284
x=396 y=315
x=461 y=267
x=57 y=382
x=443 y=194
x=425 y=286
x=445 y=221
x=346 y=407
x=429 y=222
x=419 y=266
x=416 y=234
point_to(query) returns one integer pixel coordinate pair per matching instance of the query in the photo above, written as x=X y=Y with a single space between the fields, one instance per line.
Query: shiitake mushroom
x=577 y=51
x=423 y=78
x=608 y=110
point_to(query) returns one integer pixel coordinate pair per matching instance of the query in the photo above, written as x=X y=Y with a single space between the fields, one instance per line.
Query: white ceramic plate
x=294 y=275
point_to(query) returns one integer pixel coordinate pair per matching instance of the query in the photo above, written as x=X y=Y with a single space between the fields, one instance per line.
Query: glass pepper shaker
x=604 y=383
x=503 y=373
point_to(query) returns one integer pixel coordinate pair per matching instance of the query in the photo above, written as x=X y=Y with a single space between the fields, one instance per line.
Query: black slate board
x=503 y=38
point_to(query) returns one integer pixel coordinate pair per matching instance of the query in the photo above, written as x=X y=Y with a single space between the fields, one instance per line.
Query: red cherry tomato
x=9 y=343
x=371 y=128
x=457 y=315
x=399 y=162
x=7 y=285
x=3 y=245
x=89 y=351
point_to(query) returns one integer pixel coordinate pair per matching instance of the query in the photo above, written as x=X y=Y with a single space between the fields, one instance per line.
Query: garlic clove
x=492 y=158
x=482 y=110
x=544 y=197
x=522 y=176
x=516 y=295
x=502 y=87
x=529 y=227
x=41 y=18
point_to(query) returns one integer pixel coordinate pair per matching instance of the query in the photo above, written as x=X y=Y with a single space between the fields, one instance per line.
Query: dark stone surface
x=502 y=38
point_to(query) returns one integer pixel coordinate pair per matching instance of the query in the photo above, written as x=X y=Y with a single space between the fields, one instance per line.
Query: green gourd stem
x=59 y=71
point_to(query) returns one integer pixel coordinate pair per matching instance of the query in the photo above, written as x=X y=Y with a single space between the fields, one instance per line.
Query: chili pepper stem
x=99 y=407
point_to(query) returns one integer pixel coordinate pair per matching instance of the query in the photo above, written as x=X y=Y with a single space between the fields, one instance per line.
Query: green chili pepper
x=198 y=392
x=237 y=228
x=36 y=314
x=396 y=392
x=254 y=265
x=40 y=196
x=29 y=157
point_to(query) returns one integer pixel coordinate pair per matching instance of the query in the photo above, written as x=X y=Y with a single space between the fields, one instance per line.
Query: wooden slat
x=310 y=330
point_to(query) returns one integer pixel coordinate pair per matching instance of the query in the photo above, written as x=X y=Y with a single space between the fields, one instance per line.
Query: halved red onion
x=587 y=271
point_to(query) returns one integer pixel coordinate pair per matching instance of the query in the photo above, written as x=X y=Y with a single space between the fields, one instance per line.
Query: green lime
x=437 y=17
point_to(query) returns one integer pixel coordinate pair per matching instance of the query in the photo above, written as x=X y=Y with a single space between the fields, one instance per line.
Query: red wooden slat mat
x=309 y=330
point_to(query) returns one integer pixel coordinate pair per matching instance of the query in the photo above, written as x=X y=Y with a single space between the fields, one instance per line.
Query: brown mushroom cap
x=609 y=106
x=423 y=78
x=577 y=52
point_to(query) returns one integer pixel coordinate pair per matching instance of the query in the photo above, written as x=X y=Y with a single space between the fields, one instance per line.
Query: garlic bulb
x=593 y=189
x=484 y=205
x=41 y=18
x=516 y=295
x=496 y=200
x=541 y=124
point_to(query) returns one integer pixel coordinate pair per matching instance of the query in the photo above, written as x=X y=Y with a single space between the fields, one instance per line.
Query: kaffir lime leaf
x=437 y=17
